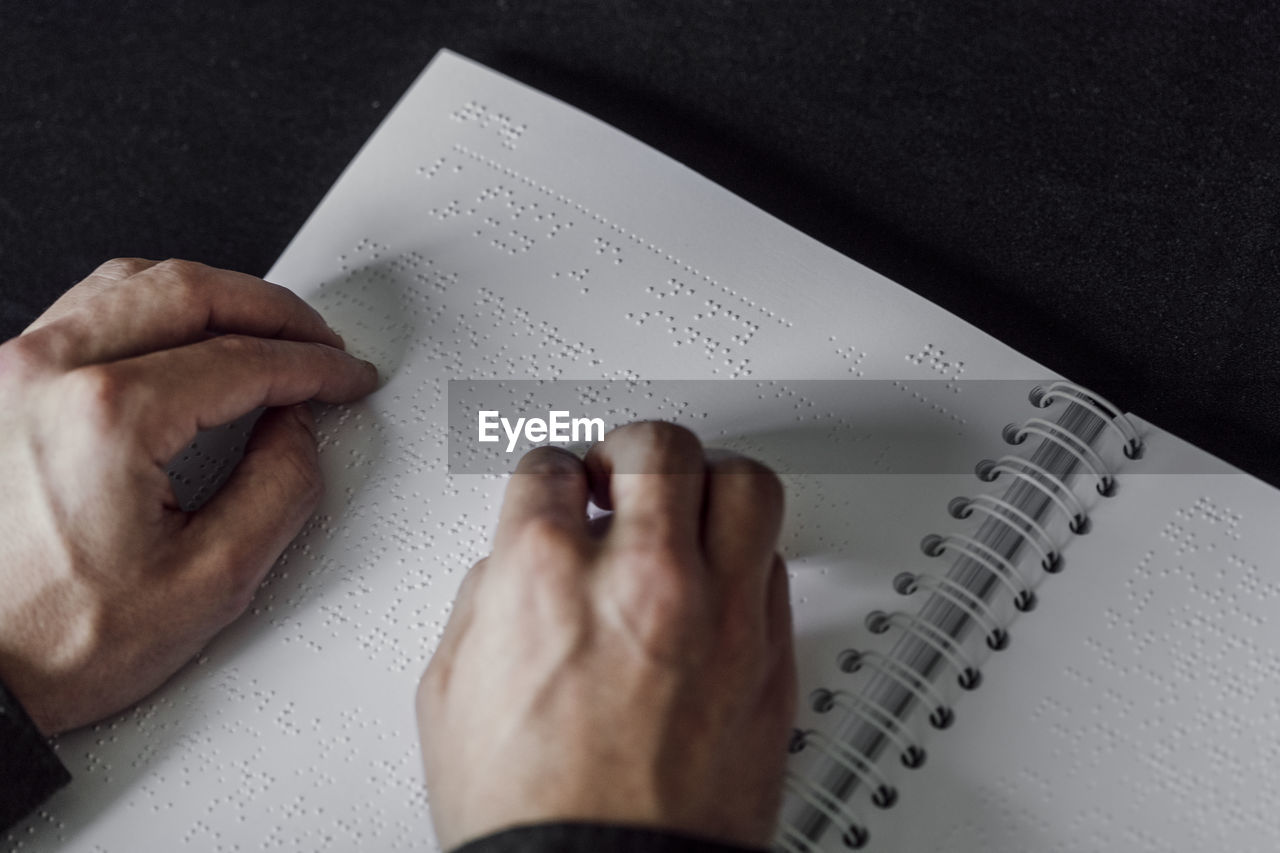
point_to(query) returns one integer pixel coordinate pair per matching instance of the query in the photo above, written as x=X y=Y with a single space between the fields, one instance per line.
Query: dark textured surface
x=29 y=770
x=1097 y=183
x=588 y=838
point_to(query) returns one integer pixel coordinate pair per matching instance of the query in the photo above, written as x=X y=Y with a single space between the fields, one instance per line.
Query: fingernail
x=302 y=411
x=342 y=343
x=374 y=374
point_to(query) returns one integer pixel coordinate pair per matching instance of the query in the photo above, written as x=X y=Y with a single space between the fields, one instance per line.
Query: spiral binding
x=1007 y=514
x=976 y=609
x=912 y=754
x=1053 y=487
x=967 y=672
x=829 y=805
x=985 y=570
x=919 y=686
x=1109 y=414
x=1069 y=442
x=1000 y=566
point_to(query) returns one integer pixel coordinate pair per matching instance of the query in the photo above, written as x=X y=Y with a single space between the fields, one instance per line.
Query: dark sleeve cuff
x=29 y=770
x=594 y=837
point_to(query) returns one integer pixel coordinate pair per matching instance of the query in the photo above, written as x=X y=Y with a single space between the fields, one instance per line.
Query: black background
x=1096 y=183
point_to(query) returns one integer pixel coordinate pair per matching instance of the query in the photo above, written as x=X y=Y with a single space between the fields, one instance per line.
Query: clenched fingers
x=652 y=475
x=741 y=522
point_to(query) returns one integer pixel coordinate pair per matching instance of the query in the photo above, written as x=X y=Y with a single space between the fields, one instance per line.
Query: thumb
x=245 y=527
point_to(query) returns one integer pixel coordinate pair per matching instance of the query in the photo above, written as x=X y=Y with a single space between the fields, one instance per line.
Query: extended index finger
x=168 y=396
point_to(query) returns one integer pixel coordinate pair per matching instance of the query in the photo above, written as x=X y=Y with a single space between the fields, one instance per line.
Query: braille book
x=1025 y=619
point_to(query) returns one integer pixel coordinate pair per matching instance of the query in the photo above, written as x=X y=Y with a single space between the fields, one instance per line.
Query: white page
x=1137 y=707
x=487 y=231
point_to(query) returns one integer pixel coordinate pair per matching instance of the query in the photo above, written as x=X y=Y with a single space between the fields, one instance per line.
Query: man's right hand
x=641 y=674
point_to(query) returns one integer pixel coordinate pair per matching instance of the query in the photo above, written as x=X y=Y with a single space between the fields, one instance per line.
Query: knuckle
x=181 y=282
x=229 y=584
x=666 y=585
x=23 y=355
x=239 y=595
x=433 y=685
x=290 y=469
x=305 y=482
x=661 y=439
x=241 y=347
x=101 y=393
x=549 y=461
x=547 y=545
x=429 y=682
x=760 y=478
x=662 y=434
x=741 y=466
x=173 y=270
x=671 y=600
x=121 y=268
x=658 y=533
x=664 y=621
x=186 y=291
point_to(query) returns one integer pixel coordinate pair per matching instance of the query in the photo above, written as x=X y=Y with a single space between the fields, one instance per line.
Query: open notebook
x=489 y=232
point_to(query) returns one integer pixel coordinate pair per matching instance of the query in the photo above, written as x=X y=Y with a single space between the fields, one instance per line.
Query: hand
x=109 y=586
x=642 y=674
